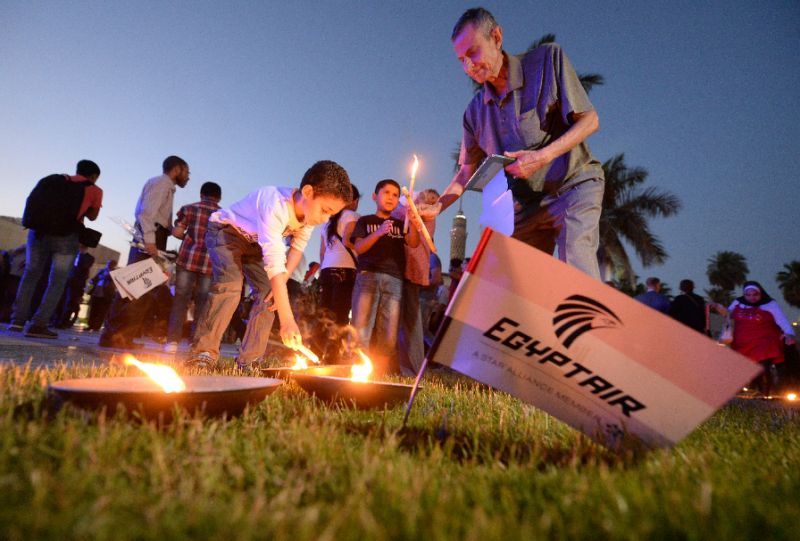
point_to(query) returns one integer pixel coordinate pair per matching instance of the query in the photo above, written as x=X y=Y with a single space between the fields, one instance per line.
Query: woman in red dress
x=759 y=331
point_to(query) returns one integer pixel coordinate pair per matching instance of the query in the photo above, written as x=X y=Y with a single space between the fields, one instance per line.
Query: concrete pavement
x=76 y=346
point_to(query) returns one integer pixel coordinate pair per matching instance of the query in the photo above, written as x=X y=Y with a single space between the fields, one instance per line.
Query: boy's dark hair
x=479 y=17
x=87 y=168
x=456 y=263
x=333 y=223
x=172 y=161
x=328 y=178
x=211 y=189
x=384 y=182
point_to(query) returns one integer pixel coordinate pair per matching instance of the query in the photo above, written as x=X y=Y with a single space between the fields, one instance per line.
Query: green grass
x=474 y=464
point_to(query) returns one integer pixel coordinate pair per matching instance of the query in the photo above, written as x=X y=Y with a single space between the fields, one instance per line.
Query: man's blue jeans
x=44 y=253
x=188 y=284
x=376 y=317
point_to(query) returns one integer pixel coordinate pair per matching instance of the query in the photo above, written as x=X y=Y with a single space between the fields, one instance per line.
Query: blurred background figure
x=690 y=308
x=127 y=318
x=101 y=292
x=193 y=266
x=73 y=292
x=13 y=267
x=653 y=297
x=760 y=330
x=417 y=276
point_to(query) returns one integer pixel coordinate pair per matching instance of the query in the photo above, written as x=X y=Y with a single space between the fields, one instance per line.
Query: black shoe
x=14 y=327
x=35 y=331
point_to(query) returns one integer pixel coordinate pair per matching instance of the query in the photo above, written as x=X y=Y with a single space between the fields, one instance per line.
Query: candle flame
x=791 y=397
x=162 y=374
x=414 y=169
x=310 y=355
x=361 y=372
x=300 y=362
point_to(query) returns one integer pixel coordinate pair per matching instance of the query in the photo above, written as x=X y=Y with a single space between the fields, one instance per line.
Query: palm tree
x=626 y=210
x=725 y=271
x=789 y=282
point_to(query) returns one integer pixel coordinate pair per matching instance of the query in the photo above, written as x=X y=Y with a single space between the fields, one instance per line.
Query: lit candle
x=307 y=352
x=423 y=230
x=411 y=188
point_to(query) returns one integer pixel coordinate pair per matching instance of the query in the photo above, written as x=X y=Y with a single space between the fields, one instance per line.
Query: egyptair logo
x=579 y=314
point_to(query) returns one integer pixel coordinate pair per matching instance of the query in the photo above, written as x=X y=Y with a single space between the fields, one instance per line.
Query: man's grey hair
x=479 y=17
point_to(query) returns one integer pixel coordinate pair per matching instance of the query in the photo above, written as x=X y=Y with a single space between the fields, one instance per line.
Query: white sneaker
x=171 y=347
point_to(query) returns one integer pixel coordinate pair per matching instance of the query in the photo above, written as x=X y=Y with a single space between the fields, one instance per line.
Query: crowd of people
x=380 y=286
x=756 y=326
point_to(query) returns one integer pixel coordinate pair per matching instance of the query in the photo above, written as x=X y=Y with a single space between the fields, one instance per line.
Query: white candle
x=423 y=230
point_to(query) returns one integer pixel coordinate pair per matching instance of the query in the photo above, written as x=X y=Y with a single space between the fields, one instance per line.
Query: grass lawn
x=474 y=464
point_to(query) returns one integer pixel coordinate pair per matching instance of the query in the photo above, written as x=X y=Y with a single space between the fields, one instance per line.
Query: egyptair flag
x=532 y=326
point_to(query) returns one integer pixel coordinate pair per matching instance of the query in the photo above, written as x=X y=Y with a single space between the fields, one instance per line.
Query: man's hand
x=179 y=231
x=528 y=162
x=151 y=249
x=429 y=212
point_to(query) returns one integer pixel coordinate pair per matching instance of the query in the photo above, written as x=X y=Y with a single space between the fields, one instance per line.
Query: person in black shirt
x=380 y=244
x=690 y=308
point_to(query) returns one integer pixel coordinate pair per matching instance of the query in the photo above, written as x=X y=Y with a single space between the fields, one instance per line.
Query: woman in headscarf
x=760 y=330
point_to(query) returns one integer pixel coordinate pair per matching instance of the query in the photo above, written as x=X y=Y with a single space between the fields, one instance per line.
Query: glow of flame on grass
x=361 y=372
x=162 y=374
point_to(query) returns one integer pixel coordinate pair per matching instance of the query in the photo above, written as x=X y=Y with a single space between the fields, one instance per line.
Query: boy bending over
x=246 y=240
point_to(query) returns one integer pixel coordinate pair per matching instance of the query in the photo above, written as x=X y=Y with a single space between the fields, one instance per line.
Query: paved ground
x=74 y=346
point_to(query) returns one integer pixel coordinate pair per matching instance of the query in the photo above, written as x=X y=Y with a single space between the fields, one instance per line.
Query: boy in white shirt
x=246 y=240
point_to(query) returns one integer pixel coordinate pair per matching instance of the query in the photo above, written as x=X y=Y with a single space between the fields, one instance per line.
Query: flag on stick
x=591 y=356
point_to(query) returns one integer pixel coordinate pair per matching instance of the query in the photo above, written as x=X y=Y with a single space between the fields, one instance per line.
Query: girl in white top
x=336 y=278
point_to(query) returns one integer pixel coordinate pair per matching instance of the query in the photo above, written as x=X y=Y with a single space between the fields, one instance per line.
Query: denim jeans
x=410 y=340
x=234 y=258
x=50 y=253
x=568 y=219
x=188 y=285
x=376 y=317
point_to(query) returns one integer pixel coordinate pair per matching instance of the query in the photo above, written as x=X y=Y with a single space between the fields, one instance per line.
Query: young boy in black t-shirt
x=379 y=242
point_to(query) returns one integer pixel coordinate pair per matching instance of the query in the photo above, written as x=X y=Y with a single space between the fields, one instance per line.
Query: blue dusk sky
x=701 y=94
